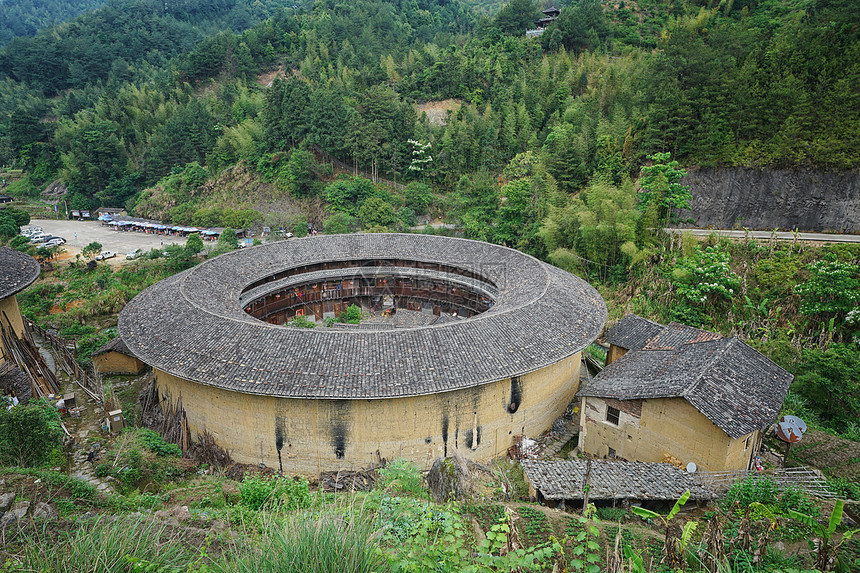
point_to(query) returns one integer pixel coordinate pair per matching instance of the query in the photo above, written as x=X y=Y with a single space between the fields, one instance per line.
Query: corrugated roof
x=733 y=385
x=17 y=272
x=564 y=479
x=193 y=324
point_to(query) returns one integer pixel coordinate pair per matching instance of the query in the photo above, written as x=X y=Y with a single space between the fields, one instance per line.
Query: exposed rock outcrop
x=764 y=198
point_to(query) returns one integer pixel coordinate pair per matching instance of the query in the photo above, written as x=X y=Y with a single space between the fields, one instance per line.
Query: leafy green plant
x=300 y=321
x=257 y=492
x=402 y=475
x=826 y=550
x=156 y=444
x=674 y=549
x=586 y=549
x=28 y=434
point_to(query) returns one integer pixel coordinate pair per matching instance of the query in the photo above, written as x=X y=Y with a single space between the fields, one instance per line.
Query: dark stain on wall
x=516 y=394
x=472 y=439
x=340 y=427
x=280 y=430
x=445 y=434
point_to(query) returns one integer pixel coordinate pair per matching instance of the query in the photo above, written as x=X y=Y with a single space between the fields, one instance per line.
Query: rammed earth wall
x=307 y=436
x=786 y=199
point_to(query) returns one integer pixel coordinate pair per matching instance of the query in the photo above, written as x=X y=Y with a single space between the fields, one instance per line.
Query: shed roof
x=193 y=324
x=17 y=272
x=632 y=332
x=564 y=479
x=115 y=345
x=733 y=385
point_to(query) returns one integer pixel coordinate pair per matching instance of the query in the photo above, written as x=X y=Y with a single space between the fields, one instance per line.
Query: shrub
x=258 y=491
x=402 y=475
x=611 y=513
x=755 y=488
x=28 y=434
x=157 y=445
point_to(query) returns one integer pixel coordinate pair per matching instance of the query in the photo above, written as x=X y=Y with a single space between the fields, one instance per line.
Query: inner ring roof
x=193 y=324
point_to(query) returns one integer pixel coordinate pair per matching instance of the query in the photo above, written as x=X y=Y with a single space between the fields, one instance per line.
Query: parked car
x=105 y=255
x=39 y=238
x=134 y=254
x=54 y=242
x=29 y=232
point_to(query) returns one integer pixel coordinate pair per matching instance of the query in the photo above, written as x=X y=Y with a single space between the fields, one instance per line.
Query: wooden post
x=586 y=487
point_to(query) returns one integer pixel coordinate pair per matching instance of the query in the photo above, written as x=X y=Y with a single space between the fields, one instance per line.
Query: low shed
x=115 y=358
x=564 y=480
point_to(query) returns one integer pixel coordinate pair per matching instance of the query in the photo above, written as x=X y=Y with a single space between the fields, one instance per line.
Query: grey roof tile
x=194 y=325
x=564 y=479
x=17 y=272
x=733 y=385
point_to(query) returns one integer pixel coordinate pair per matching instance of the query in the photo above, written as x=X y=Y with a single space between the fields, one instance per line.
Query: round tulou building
x=465 y=345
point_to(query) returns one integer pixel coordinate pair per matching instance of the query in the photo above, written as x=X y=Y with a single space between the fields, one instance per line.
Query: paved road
x=782 y=235
x=120 y=242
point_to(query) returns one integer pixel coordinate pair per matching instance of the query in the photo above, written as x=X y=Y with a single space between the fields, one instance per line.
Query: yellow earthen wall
x=615 y=352
x=117 y=363
x=9 y=305
x=477 y=422
x=668 y=426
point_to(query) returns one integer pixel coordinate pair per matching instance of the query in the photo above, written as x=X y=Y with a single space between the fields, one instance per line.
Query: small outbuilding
x=681 y=395
x=609 y=480
x=115 y=358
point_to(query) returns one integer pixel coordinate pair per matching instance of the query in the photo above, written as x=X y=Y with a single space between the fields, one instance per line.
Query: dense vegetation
x=26 y=17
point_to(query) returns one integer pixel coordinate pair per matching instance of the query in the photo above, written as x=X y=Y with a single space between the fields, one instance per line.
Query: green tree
x=516 y=17
x=194 y=244
x=596 y=231
x=91 y=250
x=832 y=290
x=659 y=188
x=337 y=223
x=28 y=434
x=829 y=380
x=376 y=212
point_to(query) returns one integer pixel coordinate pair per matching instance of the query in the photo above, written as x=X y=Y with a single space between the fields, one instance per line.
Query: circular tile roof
x=193 y=324
x=17 y=272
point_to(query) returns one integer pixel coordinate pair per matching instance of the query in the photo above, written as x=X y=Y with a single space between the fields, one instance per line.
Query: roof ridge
x=707 y=367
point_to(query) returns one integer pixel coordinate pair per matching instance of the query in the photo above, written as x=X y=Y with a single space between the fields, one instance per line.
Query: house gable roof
x=733 y=385
x=115 y=345
x=632 y=332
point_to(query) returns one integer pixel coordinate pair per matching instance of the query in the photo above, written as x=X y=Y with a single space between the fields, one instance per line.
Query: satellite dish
x=790 y=429
x=691 y=468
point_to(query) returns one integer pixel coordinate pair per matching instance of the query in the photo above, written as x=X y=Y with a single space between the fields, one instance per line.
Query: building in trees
x=679 y=394
x=484 y=345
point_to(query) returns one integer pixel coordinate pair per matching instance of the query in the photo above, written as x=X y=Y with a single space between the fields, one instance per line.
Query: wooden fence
x=801 y=477
x=89 y=380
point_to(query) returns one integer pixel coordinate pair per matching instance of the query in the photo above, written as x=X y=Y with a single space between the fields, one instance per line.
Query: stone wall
x=307 y=436
x=786 y=199
x=666 y=427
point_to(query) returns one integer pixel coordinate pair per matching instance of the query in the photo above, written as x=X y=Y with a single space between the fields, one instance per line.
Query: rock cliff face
x=774 y=198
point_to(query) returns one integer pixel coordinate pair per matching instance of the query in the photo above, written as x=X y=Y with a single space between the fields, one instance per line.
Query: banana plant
x=827 y=553
x=673 y=548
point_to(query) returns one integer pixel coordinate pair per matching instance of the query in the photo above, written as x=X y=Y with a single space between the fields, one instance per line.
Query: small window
x=612 y=415
x=611 y=453
x=747 y=443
